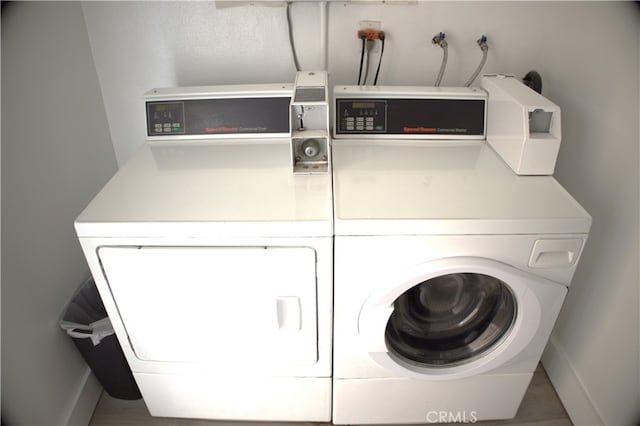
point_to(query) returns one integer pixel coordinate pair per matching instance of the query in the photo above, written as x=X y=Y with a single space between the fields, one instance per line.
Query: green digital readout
x=164 y=107
x=363 y=105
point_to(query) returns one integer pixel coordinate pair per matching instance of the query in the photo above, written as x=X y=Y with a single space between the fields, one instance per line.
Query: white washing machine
x=450 y=269
x=214 y=261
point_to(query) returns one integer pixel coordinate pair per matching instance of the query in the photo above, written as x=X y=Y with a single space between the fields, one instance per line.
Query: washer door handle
x=288 y=313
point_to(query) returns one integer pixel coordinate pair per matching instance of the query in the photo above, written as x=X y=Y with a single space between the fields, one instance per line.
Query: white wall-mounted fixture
x=522 y=125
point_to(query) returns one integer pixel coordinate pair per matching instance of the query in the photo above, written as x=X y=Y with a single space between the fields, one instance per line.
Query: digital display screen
x=164 y=107
x=363 y=105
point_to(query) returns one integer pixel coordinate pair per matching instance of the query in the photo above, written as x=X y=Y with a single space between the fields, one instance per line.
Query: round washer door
x=452 y=318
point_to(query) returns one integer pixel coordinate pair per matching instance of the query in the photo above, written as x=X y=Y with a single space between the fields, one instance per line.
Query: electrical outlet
x=370 y=25
x=371 y=34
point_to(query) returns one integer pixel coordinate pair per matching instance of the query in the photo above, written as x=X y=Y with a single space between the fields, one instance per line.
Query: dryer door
x=216 y=304
x=456 y=317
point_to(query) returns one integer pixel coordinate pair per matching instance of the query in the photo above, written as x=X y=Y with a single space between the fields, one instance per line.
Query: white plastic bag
x=85 y=316
x=96 y=331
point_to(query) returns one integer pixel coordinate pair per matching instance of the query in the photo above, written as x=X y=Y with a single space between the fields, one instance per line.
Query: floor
x=540 y=407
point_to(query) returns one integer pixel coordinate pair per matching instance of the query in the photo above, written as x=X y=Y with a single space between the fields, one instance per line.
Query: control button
x=349 y=127
x=369 y=119
x=350 y=119
x=158 y=125
x=360 y=120
x=157 y=130
x=176 y=124
x=369 y=127
x=359 y=127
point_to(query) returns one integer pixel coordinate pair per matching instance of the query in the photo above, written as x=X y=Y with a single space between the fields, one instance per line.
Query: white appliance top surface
x=222 y=189
x=454 y=187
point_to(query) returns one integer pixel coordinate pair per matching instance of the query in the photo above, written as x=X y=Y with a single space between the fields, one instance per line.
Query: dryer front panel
x=216 y=305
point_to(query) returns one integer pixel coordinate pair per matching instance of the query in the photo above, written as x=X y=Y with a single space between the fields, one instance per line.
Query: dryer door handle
x=288 y=314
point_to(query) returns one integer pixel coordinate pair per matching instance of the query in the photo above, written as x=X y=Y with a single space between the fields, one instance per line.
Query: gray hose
x=439 y=40
x=445 y=55
x=482 y=42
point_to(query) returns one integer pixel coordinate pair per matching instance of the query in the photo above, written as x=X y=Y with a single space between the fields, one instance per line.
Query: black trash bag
x=86 y=321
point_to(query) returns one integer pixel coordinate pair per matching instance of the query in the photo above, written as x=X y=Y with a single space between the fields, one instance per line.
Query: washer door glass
x=451 y=319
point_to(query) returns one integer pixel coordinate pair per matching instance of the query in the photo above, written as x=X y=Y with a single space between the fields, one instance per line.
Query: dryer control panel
x=218 y=116
x=218 y=111
x=410 y=112
x=165 y=118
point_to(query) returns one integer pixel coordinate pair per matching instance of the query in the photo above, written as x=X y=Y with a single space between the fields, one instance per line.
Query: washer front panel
x=382 y=268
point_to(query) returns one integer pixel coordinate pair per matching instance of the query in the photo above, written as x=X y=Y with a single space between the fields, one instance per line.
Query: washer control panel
x=381 y=112
x=362 y=115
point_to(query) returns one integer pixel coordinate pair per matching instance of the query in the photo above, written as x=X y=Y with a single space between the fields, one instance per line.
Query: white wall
x=598 y=163
x=56 y=154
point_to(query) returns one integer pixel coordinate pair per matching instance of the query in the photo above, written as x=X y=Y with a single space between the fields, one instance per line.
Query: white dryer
x=214 y=261
x=450 y=270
